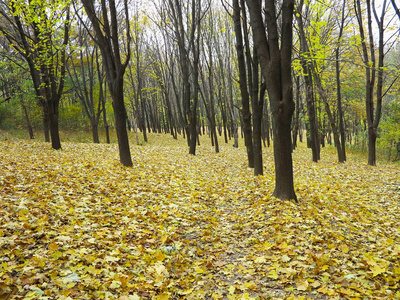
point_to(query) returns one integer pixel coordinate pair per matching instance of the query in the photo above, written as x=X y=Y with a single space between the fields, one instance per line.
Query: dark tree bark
x=342 y=155
x=103 y=98
x=373 y=114
x=107 y=38
x=396 y=8
x=307 y=76
x=209 y=105
x=257 y=102
x=296 y=126
x=275 y=55
x=245 y=110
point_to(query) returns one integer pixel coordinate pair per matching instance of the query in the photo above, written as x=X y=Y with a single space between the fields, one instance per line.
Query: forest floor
x=75 y=224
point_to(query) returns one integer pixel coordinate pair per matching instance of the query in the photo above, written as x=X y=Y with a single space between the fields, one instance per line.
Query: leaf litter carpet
x=75 y=224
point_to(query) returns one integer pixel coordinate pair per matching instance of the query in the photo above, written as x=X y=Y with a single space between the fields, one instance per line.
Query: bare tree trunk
x=307 y=75
x=373 y=115
x=28 y=121
x=257 y=105
x=275 y=60
x=246 y=114
x=106 y=33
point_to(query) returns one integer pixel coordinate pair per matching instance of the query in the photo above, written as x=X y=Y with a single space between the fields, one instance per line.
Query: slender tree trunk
x=28 y=121
x=307 y=75
x=338 y=88
x=342 y=155
x=46 y=125
x=102 y=98
x=246 y=114
x=257 y=105
x=297 y=114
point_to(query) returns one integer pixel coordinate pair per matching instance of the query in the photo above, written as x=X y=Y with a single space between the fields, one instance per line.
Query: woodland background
x=173 y=89
x=329 y=72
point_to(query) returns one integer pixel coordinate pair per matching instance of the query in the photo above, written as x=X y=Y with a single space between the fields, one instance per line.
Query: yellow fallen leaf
x=160 y=269
x=322 y=290
x=260 y=260
x=315 y=284
x=285 y=258
x=115 y=284
x=159 y=255
x=251 y=285
x=273 y=274
x=344 y=248
x=199 y=270
x=377 y=270
x=231 y=289
x=302 y=285
x=53 y=246
x=163 y=296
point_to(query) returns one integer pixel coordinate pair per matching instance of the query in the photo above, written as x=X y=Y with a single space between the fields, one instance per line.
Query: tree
x=275 y=55
x=108 y=34
x=372 y=71
x=342 y=153
x=245 y=110
x=309 y=87
x=186 y=20
x=33 y=29
x=83 y=74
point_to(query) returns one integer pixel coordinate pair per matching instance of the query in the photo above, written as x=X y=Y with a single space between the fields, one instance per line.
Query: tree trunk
x=338 y=87
x=257 y=105
x=246 y=114
x=275 y=60
x=106 y=33
x=53 y=122
x=342 y=156
x=307 y=75
x=95 y=131
x=117 y=95
x=102 y=98
x=46 y=125
x=28 y=122
x=297 y=114
x=257 y=125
